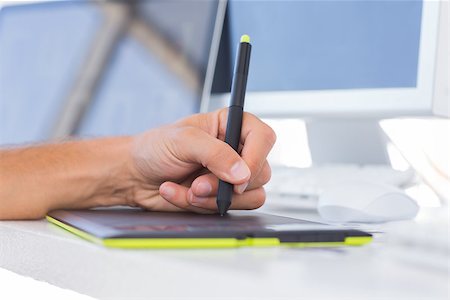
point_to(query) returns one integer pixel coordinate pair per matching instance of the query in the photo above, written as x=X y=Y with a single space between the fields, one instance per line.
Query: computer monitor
x=341 y=65
x=95 y=68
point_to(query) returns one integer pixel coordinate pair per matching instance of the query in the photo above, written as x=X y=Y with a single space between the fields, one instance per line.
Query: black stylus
x=235 y=112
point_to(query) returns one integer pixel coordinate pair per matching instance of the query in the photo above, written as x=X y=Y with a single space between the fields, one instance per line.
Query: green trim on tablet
x=74 y=230
x=184 y=243
x=169 y=242
x=348 y=241
x=357 y=240
x=189 y=242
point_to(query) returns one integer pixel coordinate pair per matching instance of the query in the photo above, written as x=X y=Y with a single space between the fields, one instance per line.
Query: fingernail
x=167 y=192
x=203 y=189
x=240 y=170
x=241 y=188
x=198 y=201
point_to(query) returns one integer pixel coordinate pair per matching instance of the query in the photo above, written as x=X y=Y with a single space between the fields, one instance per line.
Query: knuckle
x=259 y=198
x=266 y=174
x=188 y=132
x=220 y=154
x=177 y=135
x=250 y=115
x=270 y=135
x=254 y=166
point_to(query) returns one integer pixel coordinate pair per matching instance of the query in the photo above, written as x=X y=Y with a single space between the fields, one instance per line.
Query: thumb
x=195 y=145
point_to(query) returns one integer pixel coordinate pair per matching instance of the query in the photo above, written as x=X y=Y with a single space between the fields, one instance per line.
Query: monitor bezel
x=377 y=103
x=213 y=51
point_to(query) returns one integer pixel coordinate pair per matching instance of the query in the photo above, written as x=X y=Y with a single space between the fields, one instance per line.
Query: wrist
x=113 y=182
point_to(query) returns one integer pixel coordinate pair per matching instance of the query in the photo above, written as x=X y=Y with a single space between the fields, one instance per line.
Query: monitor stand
x=347 y=141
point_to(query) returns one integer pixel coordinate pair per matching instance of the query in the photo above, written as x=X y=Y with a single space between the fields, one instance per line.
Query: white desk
x=46 y=252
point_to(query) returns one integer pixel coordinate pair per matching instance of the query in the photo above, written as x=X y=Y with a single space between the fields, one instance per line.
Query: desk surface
x=48 y=253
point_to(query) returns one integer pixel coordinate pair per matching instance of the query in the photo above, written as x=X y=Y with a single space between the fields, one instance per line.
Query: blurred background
x=323 y=73
x=94 y=68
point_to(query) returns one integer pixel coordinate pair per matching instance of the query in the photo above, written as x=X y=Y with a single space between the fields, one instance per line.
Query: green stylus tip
x=245 y=39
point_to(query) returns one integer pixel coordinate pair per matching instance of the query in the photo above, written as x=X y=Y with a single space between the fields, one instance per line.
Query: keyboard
x=310 y=182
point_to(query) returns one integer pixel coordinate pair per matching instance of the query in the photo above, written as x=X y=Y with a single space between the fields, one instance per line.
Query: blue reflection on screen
x=315 y=45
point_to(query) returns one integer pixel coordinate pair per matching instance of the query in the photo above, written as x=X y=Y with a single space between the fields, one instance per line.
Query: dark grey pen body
x=235 y=112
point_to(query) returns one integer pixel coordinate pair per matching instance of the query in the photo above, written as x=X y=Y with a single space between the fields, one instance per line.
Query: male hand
x=177 y=167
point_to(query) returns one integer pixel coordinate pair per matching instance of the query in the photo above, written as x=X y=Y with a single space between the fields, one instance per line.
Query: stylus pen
x=235 y=112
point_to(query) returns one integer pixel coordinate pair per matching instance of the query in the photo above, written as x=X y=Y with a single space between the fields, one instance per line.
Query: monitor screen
x=321 y=45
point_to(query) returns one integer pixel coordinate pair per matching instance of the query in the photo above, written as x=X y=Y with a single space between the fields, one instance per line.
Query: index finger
x=257 y=139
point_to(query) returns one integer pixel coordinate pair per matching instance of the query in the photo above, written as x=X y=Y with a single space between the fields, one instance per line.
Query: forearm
x=78 y=174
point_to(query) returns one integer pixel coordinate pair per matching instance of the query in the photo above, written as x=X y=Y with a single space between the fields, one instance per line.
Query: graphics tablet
x=135 y=228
